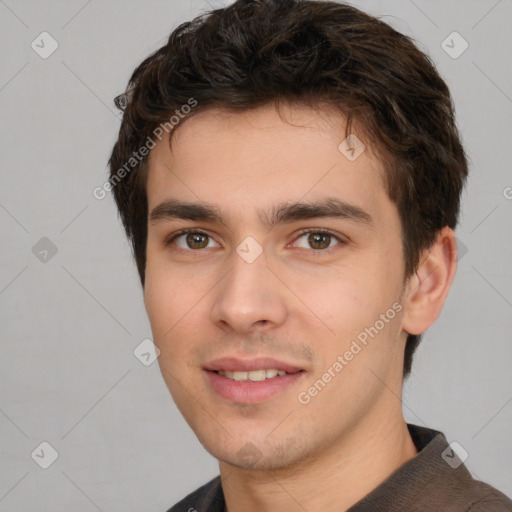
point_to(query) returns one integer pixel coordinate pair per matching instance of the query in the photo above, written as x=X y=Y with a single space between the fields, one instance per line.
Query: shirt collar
x=399 y=491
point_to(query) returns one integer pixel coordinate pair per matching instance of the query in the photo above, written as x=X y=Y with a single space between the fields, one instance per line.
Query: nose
x=249 y=297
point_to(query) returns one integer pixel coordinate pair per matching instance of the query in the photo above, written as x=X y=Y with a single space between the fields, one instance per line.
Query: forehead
x=253 y=160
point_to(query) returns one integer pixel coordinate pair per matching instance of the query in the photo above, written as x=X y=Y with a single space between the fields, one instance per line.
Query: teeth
x=257 y=375
x=253 y=376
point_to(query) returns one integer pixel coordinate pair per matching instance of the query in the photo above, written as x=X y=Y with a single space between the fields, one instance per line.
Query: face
x=295 y=268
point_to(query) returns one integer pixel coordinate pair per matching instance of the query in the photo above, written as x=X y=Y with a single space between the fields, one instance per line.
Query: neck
x=335 y=479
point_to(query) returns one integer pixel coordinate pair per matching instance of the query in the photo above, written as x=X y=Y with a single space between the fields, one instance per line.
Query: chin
x=258 y=456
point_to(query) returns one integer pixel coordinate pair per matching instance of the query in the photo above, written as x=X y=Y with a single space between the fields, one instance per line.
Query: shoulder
x=470 y=495
x=463 y=493
x=203 y=499
x=489 y=499
x=451 y=486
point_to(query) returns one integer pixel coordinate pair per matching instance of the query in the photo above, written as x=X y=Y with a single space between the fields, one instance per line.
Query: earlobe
x=427 y=290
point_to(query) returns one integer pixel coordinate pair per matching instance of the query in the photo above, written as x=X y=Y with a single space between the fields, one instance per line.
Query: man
x=289 y=174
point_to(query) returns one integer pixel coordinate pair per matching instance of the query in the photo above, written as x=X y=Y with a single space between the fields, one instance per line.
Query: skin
x=293 y=303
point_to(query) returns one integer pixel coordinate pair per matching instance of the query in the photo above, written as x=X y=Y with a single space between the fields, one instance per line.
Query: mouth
x=254 y=375
x=251 y=381
x=259 y=364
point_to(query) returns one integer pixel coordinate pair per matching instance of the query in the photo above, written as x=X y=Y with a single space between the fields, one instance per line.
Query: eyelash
x=301 y=233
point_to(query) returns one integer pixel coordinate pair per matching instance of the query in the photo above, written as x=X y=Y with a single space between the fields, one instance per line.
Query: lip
x=248 y=392
x=232 y=364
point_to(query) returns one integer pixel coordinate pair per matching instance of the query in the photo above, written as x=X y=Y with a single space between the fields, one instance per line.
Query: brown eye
x=186 y=240
x=319 y=240
x=197 y=240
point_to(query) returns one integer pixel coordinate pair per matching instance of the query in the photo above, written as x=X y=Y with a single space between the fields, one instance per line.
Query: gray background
x=70 y=323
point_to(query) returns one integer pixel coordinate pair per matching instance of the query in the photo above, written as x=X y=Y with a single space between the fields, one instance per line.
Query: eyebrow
x=283 y=213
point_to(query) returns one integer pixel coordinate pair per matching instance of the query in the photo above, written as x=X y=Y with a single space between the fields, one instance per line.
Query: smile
x=251 y=387
x=253 y=376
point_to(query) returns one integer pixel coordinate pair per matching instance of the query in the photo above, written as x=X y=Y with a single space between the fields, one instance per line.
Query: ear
x=426 y=291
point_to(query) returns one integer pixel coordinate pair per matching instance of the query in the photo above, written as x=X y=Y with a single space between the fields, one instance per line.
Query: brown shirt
x=434 y=480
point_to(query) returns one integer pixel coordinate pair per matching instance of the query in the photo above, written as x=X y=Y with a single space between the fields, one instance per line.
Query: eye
x=193 y=240
x=188 y=239
x=318 y=240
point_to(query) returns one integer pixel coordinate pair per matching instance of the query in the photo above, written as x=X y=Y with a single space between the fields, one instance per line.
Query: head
x=264 y=104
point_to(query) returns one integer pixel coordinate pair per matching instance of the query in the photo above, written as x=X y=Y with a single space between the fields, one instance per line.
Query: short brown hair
x=255 y=52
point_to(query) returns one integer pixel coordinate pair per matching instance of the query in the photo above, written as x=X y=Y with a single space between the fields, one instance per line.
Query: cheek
x=176 y=313
x=165 y=305
x=350 y=309
x=165 y=299
x=343 y=301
